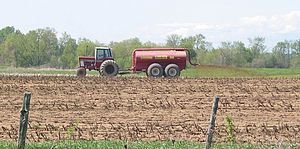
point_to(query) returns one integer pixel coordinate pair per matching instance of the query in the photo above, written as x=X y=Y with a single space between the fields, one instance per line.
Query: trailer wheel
x=81 y=72
x=172 y=70
x=109 y=68
x=155 y=70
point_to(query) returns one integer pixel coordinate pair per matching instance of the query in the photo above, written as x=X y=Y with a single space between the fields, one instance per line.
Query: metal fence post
x=212 y=123
x=24 y=120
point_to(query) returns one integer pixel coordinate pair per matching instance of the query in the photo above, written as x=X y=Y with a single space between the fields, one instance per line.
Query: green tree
x=295 y=56
x=41 y=44
x=7 y=56
x=233 y=53
x=5 y=32
x=202 y=48
x=48 y=44
x=68 y=47
x=200 y=42
x=189 y=43
x=296 y=46
x=257 y=47
x=86 y=47
x=150 y=44
x=240 y=54
x=198 y=47
x=31 y=52
x=12 y=49
x=226 y=53
x=122 y=51
x=281 y=53
x=173 y=41
x=214 y=56
x=268 y=60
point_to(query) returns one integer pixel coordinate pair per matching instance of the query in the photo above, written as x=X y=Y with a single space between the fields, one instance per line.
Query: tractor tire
x=155 y=70
x=109 y=68
x=81 y=72
x=172 y=70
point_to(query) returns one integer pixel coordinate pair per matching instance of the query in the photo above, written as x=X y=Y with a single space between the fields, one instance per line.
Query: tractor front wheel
x=109 y=68
x=81 y=72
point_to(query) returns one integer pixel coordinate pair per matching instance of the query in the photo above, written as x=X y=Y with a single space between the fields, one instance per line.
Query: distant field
x=13 y=70
x=275 y=72
x=218 y=71
x=200 y=71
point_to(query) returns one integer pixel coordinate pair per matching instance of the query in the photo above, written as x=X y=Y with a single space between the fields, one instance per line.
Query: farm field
x=264 y=110
x=199 y=71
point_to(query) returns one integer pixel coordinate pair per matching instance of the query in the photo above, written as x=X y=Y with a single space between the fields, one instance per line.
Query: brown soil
x=147 y=109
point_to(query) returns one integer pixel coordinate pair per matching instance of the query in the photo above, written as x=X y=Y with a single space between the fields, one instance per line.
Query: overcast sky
x=153 y=20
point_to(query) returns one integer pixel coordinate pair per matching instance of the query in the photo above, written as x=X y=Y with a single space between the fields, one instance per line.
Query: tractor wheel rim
x=172 y=72
x=155 y=71
x=109 y=69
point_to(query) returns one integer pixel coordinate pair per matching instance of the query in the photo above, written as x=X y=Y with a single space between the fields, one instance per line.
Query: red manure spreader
x=156 y=62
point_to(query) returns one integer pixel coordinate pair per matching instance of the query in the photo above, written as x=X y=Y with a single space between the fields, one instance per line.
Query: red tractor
x=156 y=62
x=102 y=62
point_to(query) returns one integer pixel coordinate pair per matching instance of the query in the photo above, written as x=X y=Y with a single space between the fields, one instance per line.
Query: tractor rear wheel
x=172 y=70
x=155 y=70
x=109 y=68
x=81 y=72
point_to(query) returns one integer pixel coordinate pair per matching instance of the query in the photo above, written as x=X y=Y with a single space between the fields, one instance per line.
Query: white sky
x=153 y=20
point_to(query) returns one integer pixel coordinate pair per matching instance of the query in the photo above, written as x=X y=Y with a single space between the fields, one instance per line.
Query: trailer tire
x=109 y=68
x=172 y=70
x=81 y=72
x=155 y=70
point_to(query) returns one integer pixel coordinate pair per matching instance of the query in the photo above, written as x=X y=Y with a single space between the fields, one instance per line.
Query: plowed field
x=148 y=109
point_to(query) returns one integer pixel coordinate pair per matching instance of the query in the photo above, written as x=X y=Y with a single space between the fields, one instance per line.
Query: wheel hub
x=172 y=72
x=155 y=71
x=109 y=69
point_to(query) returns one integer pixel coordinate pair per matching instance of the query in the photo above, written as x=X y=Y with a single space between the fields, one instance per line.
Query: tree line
x=42 y=48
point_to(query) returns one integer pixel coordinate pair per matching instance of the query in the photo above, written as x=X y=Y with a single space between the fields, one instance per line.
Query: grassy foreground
x=135 y=145
x=200 y=71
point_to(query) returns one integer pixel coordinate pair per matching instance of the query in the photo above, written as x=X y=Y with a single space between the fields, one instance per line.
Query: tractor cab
x=103 y=53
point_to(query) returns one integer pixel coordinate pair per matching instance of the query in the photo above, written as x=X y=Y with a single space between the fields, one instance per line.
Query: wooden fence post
x=212 y=123
x=24 y=120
